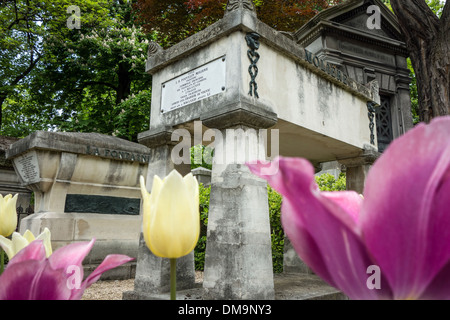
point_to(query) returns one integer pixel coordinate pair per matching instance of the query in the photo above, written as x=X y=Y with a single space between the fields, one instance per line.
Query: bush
x=327 y=182
x=199 y=251
x=276 y=230
x=277 y=234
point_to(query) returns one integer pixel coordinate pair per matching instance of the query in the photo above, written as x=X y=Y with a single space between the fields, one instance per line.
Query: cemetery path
x=113 y=289
x=108 y=290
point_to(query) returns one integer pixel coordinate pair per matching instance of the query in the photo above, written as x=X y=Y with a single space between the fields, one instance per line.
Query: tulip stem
x=2 y=260
x=173 y=279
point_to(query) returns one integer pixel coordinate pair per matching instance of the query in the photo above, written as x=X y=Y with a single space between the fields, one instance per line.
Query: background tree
x=175 y=20
x=428 y=44
x=437 y=7
x=88 y=79
x=24 y=26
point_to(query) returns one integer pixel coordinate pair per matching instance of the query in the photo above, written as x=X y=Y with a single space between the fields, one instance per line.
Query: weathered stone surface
x=202 y=175
x=357 y=169
x=86 y=186
x=152 y=272
x=340 y=35
x=10 y=183
x=238 y=262
x=94 y=144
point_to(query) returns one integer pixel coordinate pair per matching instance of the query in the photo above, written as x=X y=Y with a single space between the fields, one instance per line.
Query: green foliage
x=276 y=230
x=201 y=156
x=199 y=251
x=327 y=182
x=25 y=28
x=89 y=79
x=277 y=234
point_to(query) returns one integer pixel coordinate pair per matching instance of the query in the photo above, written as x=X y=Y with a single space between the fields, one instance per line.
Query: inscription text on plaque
x=195 y=85
x=28 y=167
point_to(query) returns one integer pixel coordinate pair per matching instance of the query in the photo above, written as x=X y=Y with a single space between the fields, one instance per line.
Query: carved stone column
x=358 y=168
x=152 y=272
x=238 y=263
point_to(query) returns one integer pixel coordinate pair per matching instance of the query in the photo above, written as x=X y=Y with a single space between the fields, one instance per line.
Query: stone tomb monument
x=86 y=186
x=9 y=181
x=241 y=75
x=340 y=36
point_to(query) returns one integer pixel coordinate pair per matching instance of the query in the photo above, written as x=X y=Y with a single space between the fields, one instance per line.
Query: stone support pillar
x=402 y=99
x=152 y=272
x=358 y=168
x=238 y=263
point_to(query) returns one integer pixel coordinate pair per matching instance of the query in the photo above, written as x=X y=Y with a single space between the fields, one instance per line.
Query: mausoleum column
x=152 y=272
x=358 y=168
x=238 y=263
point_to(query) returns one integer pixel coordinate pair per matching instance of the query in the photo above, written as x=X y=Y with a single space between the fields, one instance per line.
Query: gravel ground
x=113 y=289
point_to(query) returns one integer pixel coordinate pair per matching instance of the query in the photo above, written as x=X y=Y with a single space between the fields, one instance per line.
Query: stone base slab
x=288 y=286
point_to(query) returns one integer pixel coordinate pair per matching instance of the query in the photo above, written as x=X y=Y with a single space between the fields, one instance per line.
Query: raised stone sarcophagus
x=86 y=186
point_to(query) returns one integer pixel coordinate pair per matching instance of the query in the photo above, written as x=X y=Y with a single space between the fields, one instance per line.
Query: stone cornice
x=338 y=13
x=244 y=20
x=327 y=27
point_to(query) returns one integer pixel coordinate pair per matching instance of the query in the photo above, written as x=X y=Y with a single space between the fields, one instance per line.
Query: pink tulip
x=31 y=276
x=401 y=226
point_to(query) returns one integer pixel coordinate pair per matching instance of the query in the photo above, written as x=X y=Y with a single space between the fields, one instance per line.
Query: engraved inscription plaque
x=195 y=85
x=28 y=167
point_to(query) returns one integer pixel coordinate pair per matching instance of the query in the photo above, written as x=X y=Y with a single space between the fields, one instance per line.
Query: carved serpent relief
x=371 y=114
x=252 y=39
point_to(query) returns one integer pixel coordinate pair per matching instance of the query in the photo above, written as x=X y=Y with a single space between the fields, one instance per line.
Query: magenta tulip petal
x=33 y=280
x=304 y=243
x=438 y=289
x=349 y=201
x=111 y=261
x=321 y=230
x=70 y=255
x=34 y=251
x=405 y=217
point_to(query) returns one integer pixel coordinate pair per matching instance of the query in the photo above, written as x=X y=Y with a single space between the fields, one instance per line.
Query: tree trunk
x=428 y=44
x=2 y=99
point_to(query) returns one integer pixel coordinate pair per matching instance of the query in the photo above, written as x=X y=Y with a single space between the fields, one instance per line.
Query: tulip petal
x=404 y=216
x=349 y=201
x=110 y=262
x=324 y=234
x=438 y=289
x=33 y=251
x=148 y=207
x=173 y=228
x=8 y=215
x=70 y=255
x=33 y=280
x=18 y=242
x=191 y=185
x=29 y=236
x=156 y=189
x=6 y=245
x=45 y=236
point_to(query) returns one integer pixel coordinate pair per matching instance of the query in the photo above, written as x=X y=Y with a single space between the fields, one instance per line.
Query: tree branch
x=416 y=18
x=26 y=71
x=445 y=18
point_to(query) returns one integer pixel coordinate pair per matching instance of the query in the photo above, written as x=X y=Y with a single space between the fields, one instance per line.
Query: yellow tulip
x=171 y=218
x=18 y=242
x=8 y=215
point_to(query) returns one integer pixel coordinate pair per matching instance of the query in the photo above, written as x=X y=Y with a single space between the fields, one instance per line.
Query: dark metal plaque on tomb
x=81 y=203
